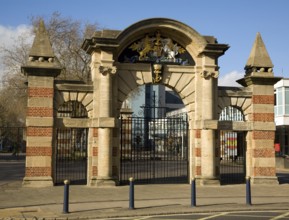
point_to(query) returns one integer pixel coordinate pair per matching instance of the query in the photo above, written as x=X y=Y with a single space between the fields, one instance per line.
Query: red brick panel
x=263 y=99
x=264 y=171
x=39 y=112
x=265 y=117
x=264 y=153
x=95 y=151
x=95 y=132
x=40 y=92
x=198 y=152
x=94 y=171
x=39 y=131
x=198 y=170
x=39 y=151
x=38 y=171
x=266 y=135
x=197 y=133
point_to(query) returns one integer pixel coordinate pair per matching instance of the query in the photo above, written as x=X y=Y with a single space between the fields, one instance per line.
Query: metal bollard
x=131 y=193
x=193 y=193
x=248 y=191
x=66 y=197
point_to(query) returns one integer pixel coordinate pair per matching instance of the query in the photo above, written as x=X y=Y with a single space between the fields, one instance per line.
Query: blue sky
x=232 y=22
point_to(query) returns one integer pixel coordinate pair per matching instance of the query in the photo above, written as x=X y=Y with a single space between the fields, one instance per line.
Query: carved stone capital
x=206 y=74
x=104 y=70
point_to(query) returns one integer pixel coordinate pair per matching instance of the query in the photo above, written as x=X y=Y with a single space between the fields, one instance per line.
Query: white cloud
x=9 y=35
x=9 y=38
x=230 y=79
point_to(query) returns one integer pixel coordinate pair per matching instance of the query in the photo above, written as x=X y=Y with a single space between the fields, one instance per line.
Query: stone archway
x=195 y=83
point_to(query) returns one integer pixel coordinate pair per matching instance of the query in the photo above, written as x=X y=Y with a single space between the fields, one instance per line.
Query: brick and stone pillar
x=104 y=122
x=260 y=153
x=41 y=69
x=208 y=134
x=39 y=123
x=206 y=121
x=259 y=78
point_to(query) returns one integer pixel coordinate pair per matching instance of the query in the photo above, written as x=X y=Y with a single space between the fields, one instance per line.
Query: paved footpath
x=17 y=202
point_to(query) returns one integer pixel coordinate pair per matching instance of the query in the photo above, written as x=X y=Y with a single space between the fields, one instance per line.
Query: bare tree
x=66 y=36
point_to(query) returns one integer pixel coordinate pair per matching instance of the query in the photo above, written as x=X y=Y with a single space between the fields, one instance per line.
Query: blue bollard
x=66 y=197
x=131 y=193
x=248 y=191
x=193 y=193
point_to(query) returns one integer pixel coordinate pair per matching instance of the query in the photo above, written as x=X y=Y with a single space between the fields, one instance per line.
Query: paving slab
x=17 y=202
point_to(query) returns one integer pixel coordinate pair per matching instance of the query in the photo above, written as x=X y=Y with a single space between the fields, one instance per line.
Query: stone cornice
x=34 y=70
x=215 y=50
x=74 y=87
x=90 y=45
x=258 y=80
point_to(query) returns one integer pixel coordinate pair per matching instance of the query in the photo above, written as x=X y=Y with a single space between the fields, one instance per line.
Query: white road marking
x=281 y=216
x=214 y=216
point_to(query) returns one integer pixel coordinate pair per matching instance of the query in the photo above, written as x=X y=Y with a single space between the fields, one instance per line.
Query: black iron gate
x=71 y=155
x=233 y=157
x=154 y=150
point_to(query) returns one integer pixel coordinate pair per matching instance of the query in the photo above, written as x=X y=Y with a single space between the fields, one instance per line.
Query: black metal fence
x=71 y=155
x=12 y=143
x=154 y=150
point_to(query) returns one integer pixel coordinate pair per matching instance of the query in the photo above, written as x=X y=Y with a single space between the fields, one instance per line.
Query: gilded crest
x=158 y=49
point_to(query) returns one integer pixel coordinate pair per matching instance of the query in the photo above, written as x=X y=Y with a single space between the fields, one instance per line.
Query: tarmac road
x=245 y=215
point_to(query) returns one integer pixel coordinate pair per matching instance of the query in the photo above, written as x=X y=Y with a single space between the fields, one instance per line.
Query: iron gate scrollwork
x=154 y=149
x=71 y=155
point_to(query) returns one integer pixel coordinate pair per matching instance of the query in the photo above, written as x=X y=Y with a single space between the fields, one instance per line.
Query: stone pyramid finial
x=42 y=60
x=259 y=59
x=41 y=45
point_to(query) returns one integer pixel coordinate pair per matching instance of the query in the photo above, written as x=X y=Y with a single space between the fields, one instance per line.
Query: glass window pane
x=286 y=95
x=286 y=109
x=279 y=97
x=280 y=110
